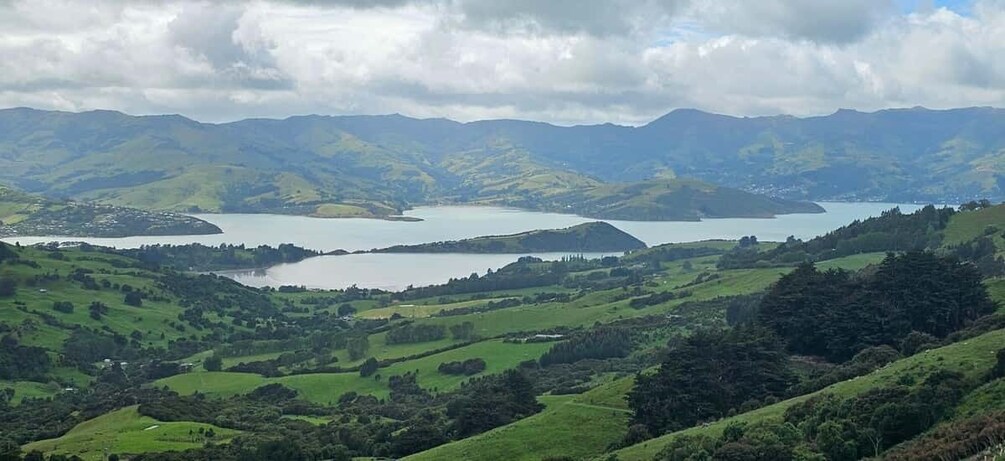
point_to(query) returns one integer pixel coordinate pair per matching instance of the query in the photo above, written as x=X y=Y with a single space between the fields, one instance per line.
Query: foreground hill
x=588 y=237
x=25 y=214
x=376 y=166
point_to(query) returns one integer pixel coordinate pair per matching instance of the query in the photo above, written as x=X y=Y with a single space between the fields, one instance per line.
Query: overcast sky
x=560 y=61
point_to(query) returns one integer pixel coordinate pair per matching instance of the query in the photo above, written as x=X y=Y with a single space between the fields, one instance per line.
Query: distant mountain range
x=379 y=165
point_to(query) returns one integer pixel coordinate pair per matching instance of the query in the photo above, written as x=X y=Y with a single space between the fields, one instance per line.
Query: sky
x=558 y=61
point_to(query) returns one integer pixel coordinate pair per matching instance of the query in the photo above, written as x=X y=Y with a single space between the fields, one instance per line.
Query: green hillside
x=378 y=166
x=26 y=214
x=126 y=431
x=974 y=357
x=574 y=426
x=588 y=237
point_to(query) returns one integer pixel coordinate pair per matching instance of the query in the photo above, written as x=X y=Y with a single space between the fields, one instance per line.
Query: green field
x=30 y=389
x=126 y=431
x=327 y=387
x=411 y=310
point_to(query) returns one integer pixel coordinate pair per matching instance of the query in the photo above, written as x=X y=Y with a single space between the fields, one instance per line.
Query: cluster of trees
x=597 y=343
x=514 y=276
x=97 y=309
x=958 y=439
x=832 y=428
x=19 y=362
x=467 y=367
x=85 y=346
x=982 y=252
x=708 y=375
x=891 y=231
x=205 y=258
x=415 y=333
x=835 y=314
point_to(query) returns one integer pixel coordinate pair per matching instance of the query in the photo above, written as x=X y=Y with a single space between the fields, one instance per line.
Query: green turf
x=126 y=431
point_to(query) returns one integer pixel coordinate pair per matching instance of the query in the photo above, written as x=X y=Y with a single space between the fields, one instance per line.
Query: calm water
x=392 y=271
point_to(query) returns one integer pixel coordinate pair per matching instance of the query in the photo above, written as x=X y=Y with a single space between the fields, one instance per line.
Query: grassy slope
x=973 y=357
x=574 y=426
x=968 y=225
x=126 y=431
x=150 y=320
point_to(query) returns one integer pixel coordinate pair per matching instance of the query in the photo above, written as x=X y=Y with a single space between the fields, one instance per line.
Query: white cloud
x=470 y=59
x=825 y=21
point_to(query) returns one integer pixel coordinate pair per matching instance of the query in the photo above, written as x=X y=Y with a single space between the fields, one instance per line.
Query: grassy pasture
x=570 y=425
x=126 y=431
x=327 y=387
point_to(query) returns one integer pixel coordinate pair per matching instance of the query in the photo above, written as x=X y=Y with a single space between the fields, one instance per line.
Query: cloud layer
x=562 y=61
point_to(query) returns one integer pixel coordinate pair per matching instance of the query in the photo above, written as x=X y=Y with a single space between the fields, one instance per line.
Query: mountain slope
x=375 y=166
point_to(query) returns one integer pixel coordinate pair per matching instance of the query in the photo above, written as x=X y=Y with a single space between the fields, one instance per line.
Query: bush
x=467 y=368
x=8 y=287
x=213 y=363
x=65 y=307
x=134 y=298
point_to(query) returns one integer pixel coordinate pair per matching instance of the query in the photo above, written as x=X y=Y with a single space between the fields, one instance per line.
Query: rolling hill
x=588 y=237
x=376 y=166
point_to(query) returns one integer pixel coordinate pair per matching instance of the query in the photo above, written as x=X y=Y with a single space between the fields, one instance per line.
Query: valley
x=198 y=351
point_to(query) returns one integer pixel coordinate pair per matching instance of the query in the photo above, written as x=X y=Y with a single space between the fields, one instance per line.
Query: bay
x=395 y=271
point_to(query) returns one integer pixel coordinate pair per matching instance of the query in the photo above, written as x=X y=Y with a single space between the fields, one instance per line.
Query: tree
x=357 y=346
x=97 y=309
x=134 y=298
x=999 y=369
x=65 y=307
x=9 y=450
x=369 y=367
x=708 y=374
x=8 y=287
x=346 y=310
x=213 y=363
